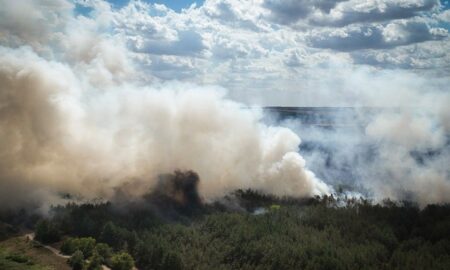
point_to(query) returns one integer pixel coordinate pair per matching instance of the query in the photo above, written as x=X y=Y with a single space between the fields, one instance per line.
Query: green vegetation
x=47 y=232
x=6 y=230
x=122 y=261
x=18 y=262
x=105 y=253
x=320 y=233
x=95 y=261
x=95 y=253
x=18 y=254
x=86 y=245
x=77 y=260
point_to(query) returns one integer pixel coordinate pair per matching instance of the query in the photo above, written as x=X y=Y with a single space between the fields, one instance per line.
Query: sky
x=176 y=5
x=273 y=52
x=91 y=89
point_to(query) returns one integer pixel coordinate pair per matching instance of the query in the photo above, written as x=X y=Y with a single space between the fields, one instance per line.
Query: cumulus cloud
x=430 y=57
x=288 y=12
x=357 y=11
x=236 y=13
x=155 y=34
x=391 y=35
x=235 y=42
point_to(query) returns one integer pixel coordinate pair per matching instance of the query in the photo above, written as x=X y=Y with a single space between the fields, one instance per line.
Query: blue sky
x=176 y=5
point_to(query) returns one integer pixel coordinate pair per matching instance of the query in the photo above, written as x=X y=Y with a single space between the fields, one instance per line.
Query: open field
x=17 y=253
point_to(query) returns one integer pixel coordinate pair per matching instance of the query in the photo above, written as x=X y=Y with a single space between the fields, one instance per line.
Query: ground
x=18 y=253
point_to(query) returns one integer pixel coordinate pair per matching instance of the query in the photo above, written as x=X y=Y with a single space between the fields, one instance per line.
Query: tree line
x=319 y=233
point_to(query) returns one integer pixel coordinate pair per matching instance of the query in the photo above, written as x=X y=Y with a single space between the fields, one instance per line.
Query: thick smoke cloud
x=79 y=115
x=79 y=120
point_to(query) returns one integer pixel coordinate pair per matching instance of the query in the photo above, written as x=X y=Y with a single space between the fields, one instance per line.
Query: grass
x=15 y=261
x=17 y=253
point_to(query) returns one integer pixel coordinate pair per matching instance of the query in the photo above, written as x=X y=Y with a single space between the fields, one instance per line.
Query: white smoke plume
x=413 y=156
x=393 y=143
x=76 y=116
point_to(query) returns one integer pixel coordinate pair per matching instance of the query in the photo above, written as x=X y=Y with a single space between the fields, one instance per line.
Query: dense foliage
x=96 y=253
x=86 y=245
x=122 y=261
x=254 y=231
x=77 y=260
x=47 y=232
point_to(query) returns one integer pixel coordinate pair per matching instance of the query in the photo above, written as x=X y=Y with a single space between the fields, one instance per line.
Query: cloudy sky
x=92 y=89
x=273 y=52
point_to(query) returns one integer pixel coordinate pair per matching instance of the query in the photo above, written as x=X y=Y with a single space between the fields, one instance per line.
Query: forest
x=246 y=230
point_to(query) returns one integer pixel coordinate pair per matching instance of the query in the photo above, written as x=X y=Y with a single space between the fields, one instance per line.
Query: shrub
x=122 y=261
x=105 y=252
x=77 y=260
x=85 y=245
x=95 y=261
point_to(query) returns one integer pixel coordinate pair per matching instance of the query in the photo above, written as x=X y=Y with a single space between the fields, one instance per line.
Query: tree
x=85 y=245
x=122 y=261
x=113 y=235
x=77 y=260
x=105 y=252
x=95 y=261
x=171 y=261
x=46 y=232
x=69 y=246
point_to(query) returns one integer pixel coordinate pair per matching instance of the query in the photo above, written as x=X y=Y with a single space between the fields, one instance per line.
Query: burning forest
x=224 y=134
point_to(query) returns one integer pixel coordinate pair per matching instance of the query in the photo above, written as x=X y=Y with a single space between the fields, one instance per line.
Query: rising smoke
x=76 y=117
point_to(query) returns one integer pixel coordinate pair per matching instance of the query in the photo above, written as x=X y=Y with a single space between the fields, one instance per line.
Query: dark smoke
x=179 y=189
x=174 y=197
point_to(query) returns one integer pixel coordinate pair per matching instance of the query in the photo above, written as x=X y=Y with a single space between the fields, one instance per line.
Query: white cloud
x=377 y=36
x=240 y=45
x=360 y=11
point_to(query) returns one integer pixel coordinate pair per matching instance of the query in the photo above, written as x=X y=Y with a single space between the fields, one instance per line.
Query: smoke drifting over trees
x=74 y=119
x=77 y=116
x=398 y=153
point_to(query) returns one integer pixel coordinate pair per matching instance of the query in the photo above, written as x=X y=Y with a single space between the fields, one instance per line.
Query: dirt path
x=52 y=249
x=30 y=236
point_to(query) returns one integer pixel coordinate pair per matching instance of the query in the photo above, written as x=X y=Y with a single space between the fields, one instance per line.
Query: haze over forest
x=182 y=110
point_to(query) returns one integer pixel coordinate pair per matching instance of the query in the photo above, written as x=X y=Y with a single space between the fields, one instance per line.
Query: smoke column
x=77 y=117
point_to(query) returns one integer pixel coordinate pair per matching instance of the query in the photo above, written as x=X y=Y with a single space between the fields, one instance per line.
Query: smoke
x=396 y=146
x=413 y=151
x=77 y=117
x=181 y=187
